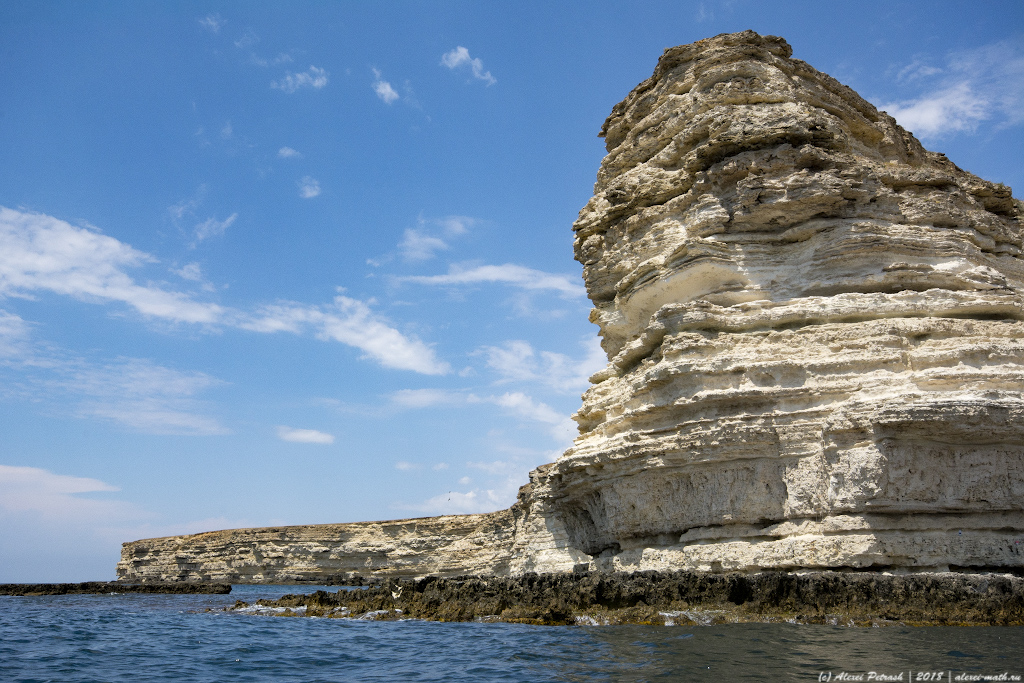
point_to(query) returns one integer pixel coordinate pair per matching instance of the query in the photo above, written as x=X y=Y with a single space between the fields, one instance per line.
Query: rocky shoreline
x=677 y=598
x=107 y=587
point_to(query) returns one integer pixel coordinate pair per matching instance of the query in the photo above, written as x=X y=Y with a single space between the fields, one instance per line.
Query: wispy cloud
x=517 y=361
x=304 y=435
x=383 y=89
x=133 y=392
x=212 y=23
x=428 y=238
x=50 y=495
x=38 y=252
x=510 y=274
x=248 y=39
x=350 y=322
x=971 y=87
x=459 y=57
x=314 y=77
x=416 y=246
x=288 y=153
x=42 y=253
x=426 y=398
x=562 y=429
x=211 y=227
x=309 y=187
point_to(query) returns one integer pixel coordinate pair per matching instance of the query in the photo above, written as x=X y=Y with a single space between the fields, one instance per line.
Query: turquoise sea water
x=172 y=638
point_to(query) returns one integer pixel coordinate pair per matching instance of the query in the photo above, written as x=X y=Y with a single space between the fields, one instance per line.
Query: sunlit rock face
x=814 y=335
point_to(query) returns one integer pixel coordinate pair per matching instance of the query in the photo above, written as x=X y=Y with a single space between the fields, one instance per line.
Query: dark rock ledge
x=848 y=598
x=110 y=587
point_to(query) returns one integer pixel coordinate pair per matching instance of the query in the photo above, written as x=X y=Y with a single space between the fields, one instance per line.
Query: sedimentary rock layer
x=326 y=553
x=815 y=335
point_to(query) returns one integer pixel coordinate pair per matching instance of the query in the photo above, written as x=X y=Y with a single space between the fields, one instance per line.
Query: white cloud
x=455 y=225
x=416 y=246
x=518 y=276
x=309 y=187
x=288 y=153
x=38 y=252
x=383 y=89
x=248 y=39
x=426 y=398
x=187 y=207
x=404 y=466
x=956 y=108
x=42 y=253
x=226 y=131
x=55 y=496
x=351 y=322
x=460 y=57
x=440 y=466
x=212 y=23
x=562 y=429
x=190 y=271
x=517 y=361
x=14 y=335
x=139 y=394
x=314 y=77
x=304 y=435
x=983 y=84
x=133 y=392
x=211 y=227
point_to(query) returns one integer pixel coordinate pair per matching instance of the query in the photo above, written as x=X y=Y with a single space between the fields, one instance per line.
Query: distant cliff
x=816 y=357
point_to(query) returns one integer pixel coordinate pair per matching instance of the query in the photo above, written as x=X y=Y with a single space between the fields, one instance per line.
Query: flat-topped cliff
x=815 y=356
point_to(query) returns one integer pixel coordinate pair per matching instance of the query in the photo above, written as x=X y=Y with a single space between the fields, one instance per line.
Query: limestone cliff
x=815 y=342
x=327 y=553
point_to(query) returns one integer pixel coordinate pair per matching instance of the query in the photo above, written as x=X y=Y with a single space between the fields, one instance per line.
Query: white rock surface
x=816 y=354
x=814 y=333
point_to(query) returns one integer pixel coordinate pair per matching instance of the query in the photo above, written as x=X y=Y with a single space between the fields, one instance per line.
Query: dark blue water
x=76 y=638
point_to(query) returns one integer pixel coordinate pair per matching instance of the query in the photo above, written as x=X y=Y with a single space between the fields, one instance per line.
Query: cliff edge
x=816 y=353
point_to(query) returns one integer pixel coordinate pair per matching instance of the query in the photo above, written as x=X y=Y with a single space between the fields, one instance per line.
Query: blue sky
x=281 y=264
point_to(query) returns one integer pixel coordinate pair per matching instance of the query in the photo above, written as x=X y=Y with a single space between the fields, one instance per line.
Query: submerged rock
x=815 y=358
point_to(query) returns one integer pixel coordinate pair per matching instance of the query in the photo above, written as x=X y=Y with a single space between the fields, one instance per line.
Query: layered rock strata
x=326 y=553
x=813 y=327
x=815 y=341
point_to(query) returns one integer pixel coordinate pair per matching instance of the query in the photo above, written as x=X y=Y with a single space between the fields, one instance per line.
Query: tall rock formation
x=813 y=327
x=814 y=335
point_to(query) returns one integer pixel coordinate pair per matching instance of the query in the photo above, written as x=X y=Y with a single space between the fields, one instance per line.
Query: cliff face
x=327 y=553
x=815 y=347
x=813 y=327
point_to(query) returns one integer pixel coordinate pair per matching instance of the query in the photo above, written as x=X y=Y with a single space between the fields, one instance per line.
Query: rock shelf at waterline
x=107 y=587
x=677 y=598
x=815 y=338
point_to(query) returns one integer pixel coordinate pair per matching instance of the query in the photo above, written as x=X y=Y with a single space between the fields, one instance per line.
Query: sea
x=139 y=637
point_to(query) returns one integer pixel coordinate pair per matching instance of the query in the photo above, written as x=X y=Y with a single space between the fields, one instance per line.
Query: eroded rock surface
x=816 y=354
x=327 y=553
x=814 y=333
x=677 y=598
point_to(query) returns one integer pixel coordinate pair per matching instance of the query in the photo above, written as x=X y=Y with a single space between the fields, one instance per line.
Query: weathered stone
x=815 y=336
x=327 y=554
x=679 y=598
